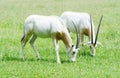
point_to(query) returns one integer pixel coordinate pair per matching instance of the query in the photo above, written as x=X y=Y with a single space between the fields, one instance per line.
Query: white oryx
x=46 y=27
x=84 y=25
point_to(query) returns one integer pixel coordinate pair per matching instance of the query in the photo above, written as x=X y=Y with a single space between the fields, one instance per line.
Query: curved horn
x=77 y=41
x=98 y=30
x=91 y=30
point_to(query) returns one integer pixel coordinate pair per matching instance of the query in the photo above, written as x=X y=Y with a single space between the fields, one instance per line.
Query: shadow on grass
x=84 y=53
x=65 y=61
x=49 y=60
x=10 y=59
x=33 y=60
x=53 y=60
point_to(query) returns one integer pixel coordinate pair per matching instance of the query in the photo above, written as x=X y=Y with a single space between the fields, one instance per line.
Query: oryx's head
x=74 y=49
x=93 y=43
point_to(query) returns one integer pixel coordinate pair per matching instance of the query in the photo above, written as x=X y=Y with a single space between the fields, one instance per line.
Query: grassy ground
x=106 y=63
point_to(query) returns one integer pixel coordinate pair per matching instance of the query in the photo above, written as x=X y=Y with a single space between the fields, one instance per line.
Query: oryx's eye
x=72 y=45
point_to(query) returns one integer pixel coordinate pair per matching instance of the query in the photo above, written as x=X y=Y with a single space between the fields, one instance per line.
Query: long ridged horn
x=98 y=30
x=77 y=36
x=91 y=30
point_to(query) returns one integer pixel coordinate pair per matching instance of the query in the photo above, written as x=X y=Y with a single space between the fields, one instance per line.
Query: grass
x=106 y=63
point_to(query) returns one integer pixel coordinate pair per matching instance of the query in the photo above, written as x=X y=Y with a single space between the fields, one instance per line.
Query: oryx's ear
x=99 y=43
x=87 y=43
x=78 y=49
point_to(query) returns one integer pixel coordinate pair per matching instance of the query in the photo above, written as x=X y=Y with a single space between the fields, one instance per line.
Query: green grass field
x=106 y=63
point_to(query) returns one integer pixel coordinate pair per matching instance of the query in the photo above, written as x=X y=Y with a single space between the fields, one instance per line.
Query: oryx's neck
x=67 y=40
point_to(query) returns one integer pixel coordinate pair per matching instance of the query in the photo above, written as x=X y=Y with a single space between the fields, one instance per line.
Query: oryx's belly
x=42 y=31
x=42 y=34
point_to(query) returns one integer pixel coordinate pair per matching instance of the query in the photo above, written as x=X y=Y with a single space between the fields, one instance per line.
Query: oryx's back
x=43 y=26
x=75 y=14
x=81 y=20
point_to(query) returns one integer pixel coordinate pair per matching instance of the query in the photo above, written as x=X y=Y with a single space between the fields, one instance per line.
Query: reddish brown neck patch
x=86 y=32
x=62 y=36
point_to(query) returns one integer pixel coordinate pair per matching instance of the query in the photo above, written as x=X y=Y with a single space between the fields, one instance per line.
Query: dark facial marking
x=73 y=52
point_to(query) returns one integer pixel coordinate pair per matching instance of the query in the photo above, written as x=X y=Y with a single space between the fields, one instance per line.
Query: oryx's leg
x=32 y=45
x=56 y=47
x=82 y=39
x=24 y=40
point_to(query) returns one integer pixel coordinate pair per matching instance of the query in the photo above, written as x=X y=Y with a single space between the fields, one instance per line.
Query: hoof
x=22 y=59
x=38 y=59
x=59 y=62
